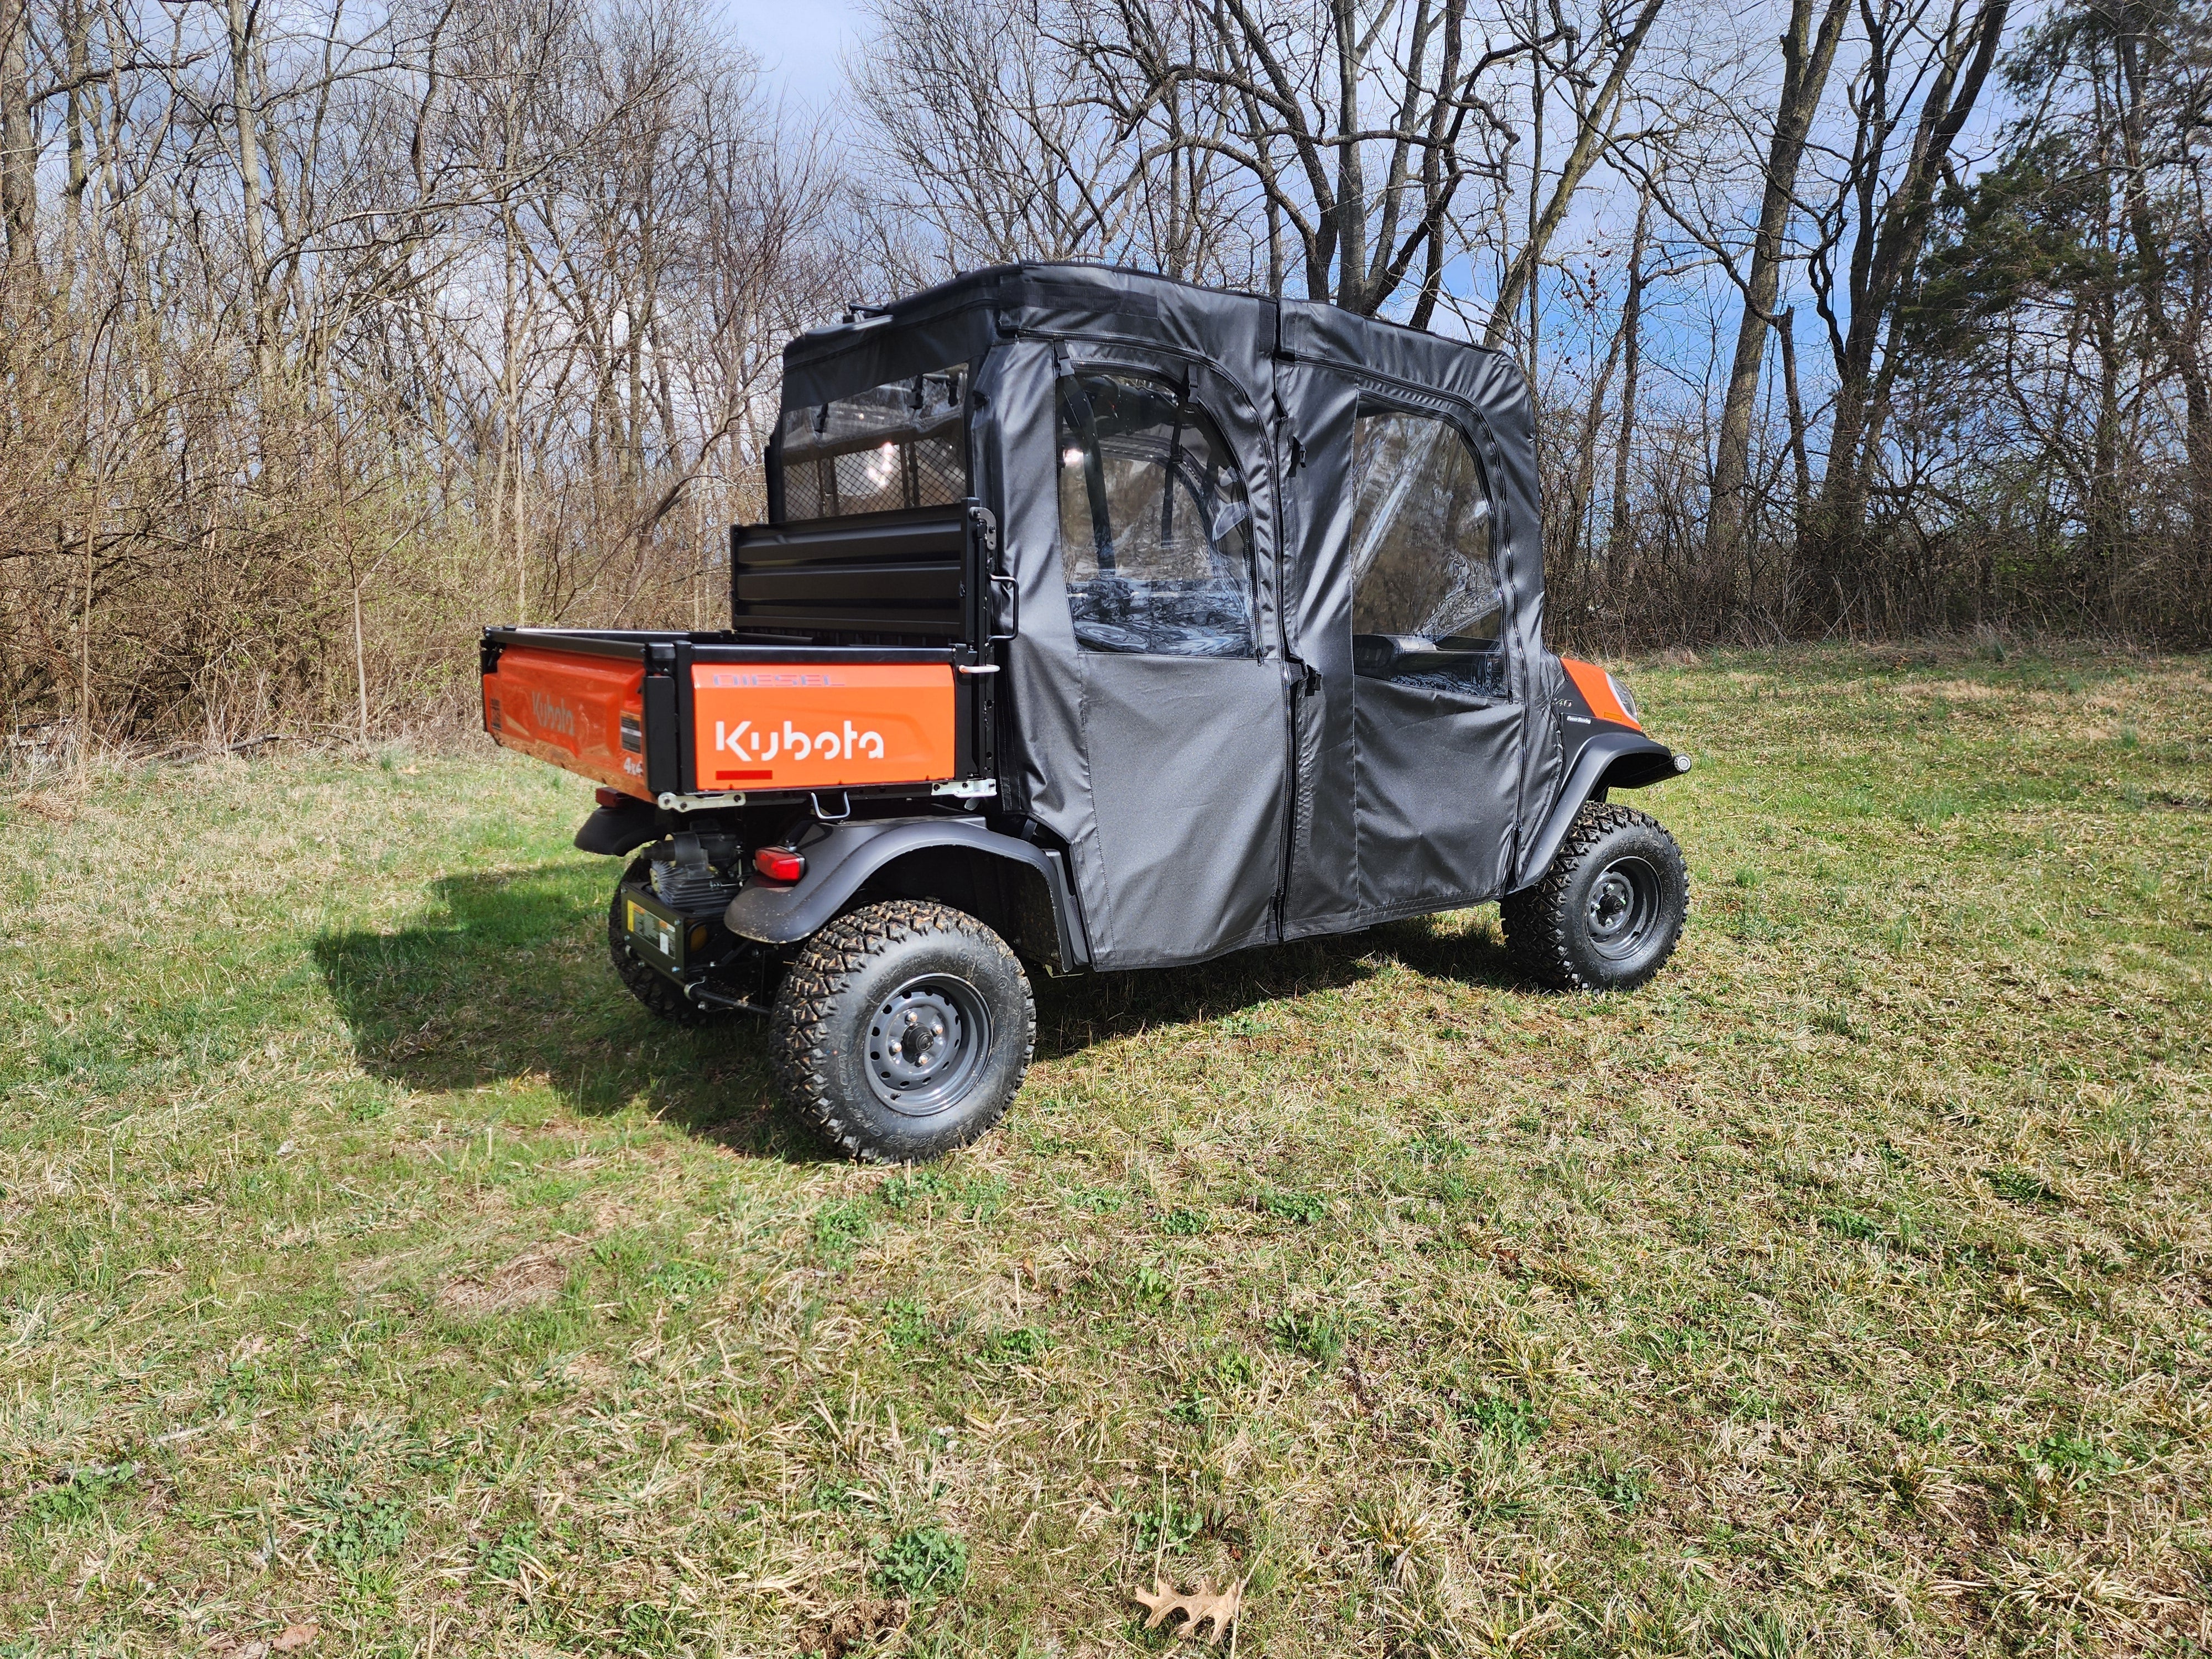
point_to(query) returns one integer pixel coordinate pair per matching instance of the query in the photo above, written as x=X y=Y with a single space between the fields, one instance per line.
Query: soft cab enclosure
x=1232 y=606
x=1280 y=668
x=1097 y=621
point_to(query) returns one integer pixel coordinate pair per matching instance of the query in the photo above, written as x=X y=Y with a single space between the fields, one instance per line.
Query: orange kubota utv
x=1100 y=621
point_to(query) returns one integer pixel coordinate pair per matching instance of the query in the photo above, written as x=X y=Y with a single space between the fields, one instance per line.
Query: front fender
x=843 y=858
x=1612 y=759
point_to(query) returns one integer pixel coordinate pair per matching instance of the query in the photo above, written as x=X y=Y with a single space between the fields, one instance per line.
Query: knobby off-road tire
x=903 y=1030
x=1607 y=914
x=653 y=990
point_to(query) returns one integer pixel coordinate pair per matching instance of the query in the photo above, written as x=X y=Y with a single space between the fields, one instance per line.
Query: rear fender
x=614 y=830
x=1020 y=889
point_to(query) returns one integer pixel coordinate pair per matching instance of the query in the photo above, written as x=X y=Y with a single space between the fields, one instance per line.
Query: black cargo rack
x=922 y=574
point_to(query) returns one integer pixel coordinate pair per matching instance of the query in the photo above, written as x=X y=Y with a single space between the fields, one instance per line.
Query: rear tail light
x=779 y=863
x=607 y=797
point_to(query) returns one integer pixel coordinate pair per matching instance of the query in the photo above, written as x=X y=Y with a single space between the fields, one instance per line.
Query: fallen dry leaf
x=293 y=1638
x=851 y=1630
x=530 y=1280
x=1201 y=1607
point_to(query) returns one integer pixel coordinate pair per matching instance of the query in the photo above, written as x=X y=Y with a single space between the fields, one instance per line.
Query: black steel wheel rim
x=1626 y=900
x=928 y=1041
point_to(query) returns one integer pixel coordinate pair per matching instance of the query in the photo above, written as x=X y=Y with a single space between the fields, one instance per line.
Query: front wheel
x=1607 y=914
x=903 y=1030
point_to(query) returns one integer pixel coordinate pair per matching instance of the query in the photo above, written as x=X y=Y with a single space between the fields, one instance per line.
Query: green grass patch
x=368 y=1259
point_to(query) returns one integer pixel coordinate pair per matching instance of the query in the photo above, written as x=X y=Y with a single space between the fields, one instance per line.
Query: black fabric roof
x=1083 y=298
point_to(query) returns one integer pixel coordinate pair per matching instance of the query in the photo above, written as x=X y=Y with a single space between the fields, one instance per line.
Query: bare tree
x=996 y=141
x=2165 y=107
x=19 y=154
x=368 y=315
x=330 y=334
x=1595 y=116
x=1807 y=56
x=1886 y=201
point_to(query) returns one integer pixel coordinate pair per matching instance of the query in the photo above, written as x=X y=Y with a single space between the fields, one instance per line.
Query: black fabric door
x=1162 y=533
x=1436 y=731
x=1415 y=614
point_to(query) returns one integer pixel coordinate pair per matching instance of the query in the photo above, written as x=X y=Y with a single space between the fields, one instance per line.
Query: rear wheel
x=653 y=989
x=903 y=1029
x=1607 y=914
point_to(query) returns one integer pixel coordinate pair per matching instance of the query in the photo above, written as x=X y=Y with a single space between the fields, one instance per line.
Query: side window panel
x=893 y=446
x=1155 y=530
x=1426 y=606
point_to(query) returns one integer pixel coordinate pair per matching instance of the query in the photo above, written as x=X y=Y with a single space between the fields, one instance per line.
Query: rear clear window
x=1155 y=530
x=1426 y=606
x=893 y=446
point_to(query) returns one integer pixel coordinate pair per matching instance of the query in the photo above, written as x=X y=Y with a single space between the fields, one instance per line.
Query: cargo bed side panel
x=584 y=713
x=821 y=726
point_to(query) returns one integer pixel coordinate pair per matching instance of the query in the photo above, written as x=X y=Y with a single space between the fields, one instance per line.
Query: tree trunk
x=245 y=121
x=2107 y=513
x=1581 y=536
x=77 y=24
x=1351 y=178
x=2180 y=345
x=1631 y=338
x=1804 y=79
x=19 y=143
x=1784 y=325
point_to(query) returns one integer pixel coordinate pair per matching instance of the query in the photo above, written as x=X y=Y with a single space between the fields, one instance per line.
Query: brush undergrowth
x=368 y=1259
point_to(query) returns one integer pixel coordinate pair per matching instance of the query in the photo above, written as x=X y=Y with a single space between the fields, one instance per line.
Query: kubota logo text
x=551 y=715
x=794 y=745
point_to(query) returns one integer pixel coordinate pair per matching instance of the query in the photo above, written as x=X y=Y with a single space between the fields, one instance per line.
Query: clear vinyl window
x=1426 y=606
x=1155 y=529
x=896 y=445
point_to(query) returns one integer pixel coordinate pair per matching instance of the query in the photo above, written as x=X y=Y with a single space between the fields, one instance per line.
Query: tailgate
x=655 y=714
x=821 y=726
x=586 y=714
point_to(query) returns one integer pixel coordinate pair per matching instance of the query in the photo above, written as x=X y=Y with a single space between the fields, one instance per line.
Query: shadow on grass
x=513 y=982
x=1073 y=1013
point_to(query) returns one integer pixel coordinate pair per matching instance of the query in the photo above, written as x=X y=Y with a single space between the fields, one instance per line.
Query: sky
x=799 y=42
x=801 y=45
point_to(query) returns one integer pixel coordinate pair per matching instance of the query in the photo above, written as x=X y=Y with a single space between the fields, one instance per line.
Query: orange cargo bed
x=688 y=716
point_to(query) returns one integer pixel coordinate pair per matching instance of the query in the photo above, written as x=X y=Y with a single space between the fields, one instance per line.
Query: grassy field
x=369 y=1261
